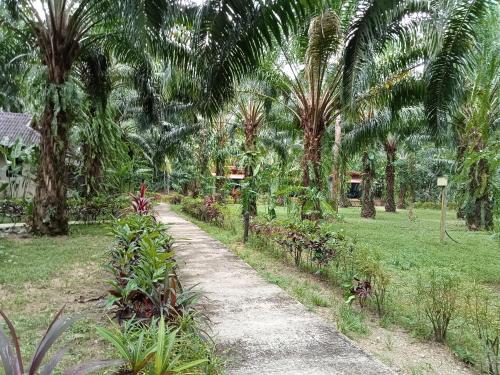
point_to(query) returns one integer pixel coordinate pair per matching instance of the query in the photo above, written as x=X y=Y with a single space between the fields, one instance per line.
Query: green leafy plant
x=166 y=360
x=96 y=208
x=437 y=296
x=133 y=342
x=14 y=210
x=13 y=364
x=482 y=315
x=145 y=284
x=208 y=210
x=370 y=266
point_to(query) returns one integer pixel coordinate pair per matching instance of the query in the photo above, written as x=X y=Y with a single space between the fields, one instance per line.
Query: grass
x=406 y=249
x=39 y=275
x=39 y=259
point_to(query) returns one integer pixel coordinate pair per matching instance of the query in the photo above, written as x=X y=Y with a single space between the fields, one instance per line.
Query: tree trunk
x=311 y=169
x=401 y=198
x=367 y=202
x=49 y=204
x=390 y=205
x=336 y=183
x=310 y=163
x=479 y=208
x=219 y=178
x=58 y=51
x=93 y=170
x=250 y=134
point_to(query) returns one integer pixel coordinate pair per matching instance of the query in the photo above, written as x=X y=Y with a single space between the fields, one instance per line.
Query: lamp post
x=442 y=182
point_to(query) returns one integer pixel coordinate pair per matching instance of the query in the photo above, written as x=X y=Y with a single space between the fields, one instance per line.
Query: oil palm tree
x=475 y=124
x=57 y=29
x=252 y=117
x=61 y=29
x=312 y=92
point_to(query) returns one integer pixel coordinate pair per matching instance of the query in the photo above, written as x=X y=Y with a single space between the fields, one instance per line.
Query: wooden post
x=442 y=182
x=443 y=213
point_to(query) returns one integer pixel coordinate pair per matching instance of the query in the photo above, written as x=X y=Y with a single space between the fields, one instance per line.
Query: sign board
x=442 y=181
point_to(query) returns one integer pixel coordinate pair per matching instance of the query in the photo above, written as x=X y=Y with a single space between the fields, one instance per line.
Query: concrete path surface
x=257 y=327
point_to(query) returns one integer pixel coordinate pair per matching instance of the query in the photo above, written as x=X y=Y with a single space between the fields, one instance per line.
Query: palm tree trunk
x=336 y=183
x=367 y=202
x=49 y=204
x=479 y=208
x=390 y=205
x=311 y=162
x=219 y=177
x=402 y=196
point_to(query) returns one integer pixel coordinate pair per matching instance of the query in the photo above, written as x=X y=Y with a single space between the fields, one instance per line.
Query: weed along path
x=258 y=328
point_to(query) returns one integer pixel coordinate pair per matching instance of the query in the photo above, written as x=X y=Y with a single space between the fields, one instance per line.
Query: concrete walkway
x=258 y=328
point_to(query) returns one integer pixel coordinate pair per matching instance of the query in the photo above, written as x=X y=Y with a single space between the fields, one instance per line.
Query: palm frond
x=456 y=41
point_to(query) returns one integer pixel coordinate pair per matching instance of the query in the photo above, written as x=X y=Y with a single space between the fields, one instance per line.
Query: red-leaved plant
x=10 y=352
x=140 y=203
x=361 y=289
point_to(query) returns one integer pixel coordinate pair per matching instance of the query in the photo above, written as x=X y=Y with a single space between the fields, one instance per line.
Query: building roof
x=15 y=126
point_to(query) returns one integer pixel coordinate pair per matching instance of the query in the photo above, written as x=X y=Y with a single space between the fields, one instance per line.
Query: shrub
x=140 y=203
x=377 y=277
x=175 y=198
x=317 y=243
x=97 y=208
x=14 y=210
x=482 y=314
x=437 y=295
x=433 y=205
x=207 y=210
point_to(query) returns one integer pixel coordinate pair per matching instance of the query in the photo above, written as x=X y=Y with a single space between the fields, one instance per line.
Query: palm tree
x=221 y=138
x=61 y=29
x=475 y=123
x=252 y=116
x=232 y=37
x=58 y=29
x=313 y=92
x=160 y=142
x=367 y=191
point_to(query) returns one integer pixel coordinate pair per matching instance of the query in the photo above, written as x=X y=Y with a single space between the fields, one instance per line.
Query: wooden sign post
x=442 y=182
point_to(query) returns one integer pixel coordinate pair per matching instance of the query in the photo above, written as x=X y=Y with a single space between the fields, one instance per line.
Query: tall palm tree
x=60 y=29
x=221 y=142
x=313 y=92
x=252 y=116
x=476 y=126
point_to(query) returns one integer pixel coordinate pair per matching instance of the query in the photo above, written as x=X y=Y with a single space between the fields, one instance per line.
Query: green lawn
x=406 y=246
x=40 y=275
